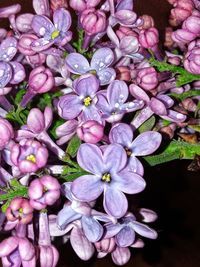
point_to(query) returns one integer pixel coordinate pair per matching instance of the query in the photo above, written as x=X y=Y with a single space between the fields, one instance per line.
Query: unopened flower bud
x=7 y=133
x=81 y=5
x=123 y=73
x=149 y=38
x=148 y=22
x=24 y=44
x=106 y=245
x=90 y=132
x=147 y=78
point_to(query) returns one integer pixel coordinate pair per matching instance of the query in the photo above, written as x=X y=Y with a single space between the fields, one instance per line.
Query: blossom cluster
x=86 y=96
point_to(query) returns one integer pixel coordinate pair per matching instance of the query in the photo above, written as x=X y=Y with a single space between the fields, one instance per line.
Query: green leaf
x=73 y=146
x=19 y=96
x=185 y=95
x=147 y=125
x=54 y=126
x=5 y=206
x=73 y=176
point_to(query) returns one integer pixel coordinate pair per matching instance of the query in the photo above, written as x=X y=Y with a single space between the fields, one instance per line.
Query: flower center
x=87 y=101
x=31 y=158
x=94 y=72
x=20 y=212
x=128 y=151
x=55 y=34
x=106 y=178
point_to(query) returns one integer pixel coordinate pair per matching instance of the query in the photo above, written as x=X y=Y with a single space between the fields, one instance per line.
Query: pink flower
x=147 y=78
x=81 y=5
x=149 y=38
x=7 y=133
x=91 y=132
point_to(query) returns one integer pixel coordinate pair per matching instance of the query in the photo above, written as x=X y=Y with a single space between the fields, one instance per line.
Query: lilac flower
x=28 y=156
x=112 y=102
x=76 y=210
x=65 y=131
x=10 y=71
x=41 y=7
x=7 y=133
x=100 y=63
x=125 y=231
x=160 y=105
x=109 y=175
x=52 y=33
x=144 y=144
x=83 y=102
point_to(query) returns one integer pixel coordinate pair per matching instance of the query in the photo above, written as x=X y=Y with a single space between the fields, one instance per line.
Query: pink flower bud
x=169 y=130
x=43 y=191
x=24 y=44
x=148 y=22
x=41 y=80
x=178 y=15
x=192 y=60
x=192 y=24
x=129 y=45
x=5 y=12
x=36 y=60
x=147 y=78
x=90 y=132
x=81 y=5
x=189 y=104
x=105 y=245
x=183 y=36
x=56 y=4
x=123 y=73
x=7 y=133
x=93 y=21
x=23 y=22
x=125 y=31
x=148 y=215
x=19 y=210
x=149 y=38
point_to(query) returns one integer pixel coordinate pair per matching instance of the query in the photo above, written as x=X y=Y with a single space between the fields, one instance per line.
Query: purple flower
x=108 y=176
x=29 y=155
x=83 y=102
x=144 y=144
x=125 y=231
x=76 y=210
x=52 y=33
x=7 y=133
x=100 y=63
x=10 y=71
x=112 y=102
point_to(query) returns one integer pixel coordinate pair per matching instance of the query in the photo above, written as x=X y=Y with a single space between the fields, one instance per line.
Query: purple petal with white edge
x=42 y=26
x=41 y=44
x=62 y=19
x=129 y=182
x=125 y=5
x=69 y=106
x=83 y=248
x=157 y=107
x=87 y=188
x=138 y=93
x=112 y=229
x=134 y=165
x=102 y=59
x=122 y=134
x=106 y=76
x=117 y=93
x=41 y=7
x=121 y=256
x=87 y=152
x=125 y=237
x=18 y=72
x=8 y=49
x=92 y=229
x=144 y=230
x=66 y=216
x=115 y=202
x=66 y=190
x=175 y=116
x=77 y=63
x=168 y=101
x=146 y=143
x=126 y=18
x=87 y=85
x=115 y=158
x=5 y=74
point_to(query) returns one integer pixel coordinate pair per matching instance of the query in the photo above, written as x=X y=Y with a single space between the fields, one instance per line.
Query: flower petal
x=18 y=72
x=67 y=128
x=42 y=26
x=138 y=93
x=174 y=116
x=41 y=7
x=87 y=85
x=69 y=107
x=115 y=202
x=87 y=188
x=122 y=134
x=92 y=229
x=8 y=49
x=35 y=121
x=112 y=230
x=157 y=106
x=41 y=44
x=87 y=152
x=144 y=230
x=106 y=76
x=117 y=93
x=121 y=256
x=134 y=165
x=114 y=158
x=5 y=74
x=77 y=63
x=66 y=216
x=129 y=182
x=62 y=19
x=125 y=237
x=102 y=59
x=146 y=143
x=83 y=248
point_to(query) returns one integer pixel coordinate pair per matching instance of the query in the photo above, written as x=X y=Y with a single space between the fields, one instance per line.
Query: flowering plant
x=86 y=97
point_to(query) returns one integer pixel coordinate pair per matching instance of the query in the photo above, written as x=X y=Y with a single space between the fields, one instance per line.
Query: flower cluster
x=86 y=98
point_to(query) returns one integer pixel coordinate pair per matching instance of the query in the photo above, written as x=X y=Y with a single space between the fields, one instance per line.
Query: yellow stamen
x=87 y=101
x=31 y=158
x=106 y=177
x=94 y=72
x=20 y=211
x=55 y=34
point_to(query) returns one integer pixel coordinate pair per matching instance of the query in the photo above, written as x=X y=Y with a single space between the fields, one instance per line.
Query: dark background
x=171 y=191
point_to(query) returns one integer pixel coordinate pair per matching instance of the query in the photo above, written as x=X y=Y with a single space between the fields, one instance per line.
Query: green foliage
x=73 y=146
x=147 y=125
